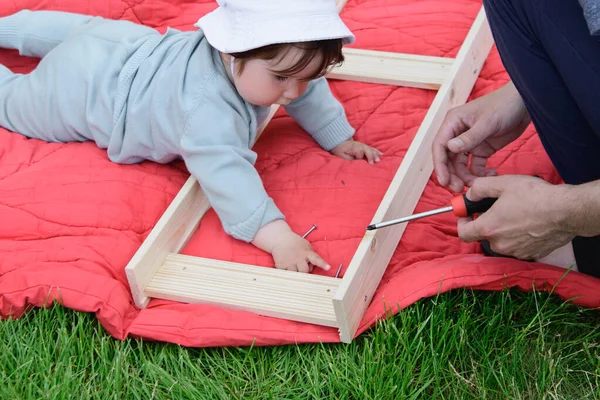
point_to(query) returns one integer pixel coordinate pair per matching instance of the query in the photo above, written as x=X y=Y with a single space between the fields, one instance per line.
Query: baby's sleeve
x=319 y=113
x=216 y=152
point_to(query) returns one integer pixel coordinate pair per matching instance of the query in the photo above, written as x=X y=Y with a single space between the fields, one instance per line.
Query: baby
x=199 y=96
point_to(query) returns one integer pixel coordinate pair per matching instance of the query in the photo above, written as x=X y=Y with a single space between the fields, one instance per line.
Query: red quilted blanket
x=71 y=220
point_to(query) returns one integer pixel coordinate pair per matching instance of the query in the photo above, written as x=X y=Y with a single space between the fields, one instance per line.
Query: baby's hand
x=289 y=251
x=295 y=253
x=353 y=150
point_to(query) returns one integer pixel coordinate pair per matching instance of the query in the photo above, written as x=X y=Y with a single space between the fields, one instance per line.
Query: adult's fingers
x=460 y=165
x=469 y=229
x=479 y=169
x=441 y=160
x=456 y=184
x=490 y=186
x=451 y=126
x=471 y=138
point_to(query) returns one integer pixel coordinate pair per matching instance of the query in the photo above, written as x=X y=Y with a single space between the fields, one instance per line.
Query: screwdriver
x=460 y=205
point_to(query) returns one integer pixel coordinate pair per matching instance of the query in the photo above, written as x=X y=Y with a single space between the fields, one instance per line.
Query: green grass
x=458 y=345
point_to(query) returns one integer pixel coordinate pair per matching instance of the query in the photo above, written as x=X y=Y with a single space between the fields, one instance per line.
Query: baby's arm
x=324 y=118
x=319 y=113
x=224 y=166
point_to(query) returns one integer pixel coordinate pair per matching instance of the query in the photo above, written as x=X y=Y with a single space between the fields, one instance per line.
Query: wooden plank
x=170 y=234
x=399 y=69
x=377 y=247
x=266 y=291
x=155 y=272
x=172 y=231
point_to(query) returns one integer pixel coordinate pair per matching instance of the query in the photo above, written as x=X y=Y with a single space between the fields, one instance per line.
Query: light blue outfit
x=143 y=95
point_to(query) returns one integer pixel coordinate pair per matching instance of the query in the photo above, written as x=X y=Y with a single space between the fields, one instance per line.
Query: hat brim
x=223 y=36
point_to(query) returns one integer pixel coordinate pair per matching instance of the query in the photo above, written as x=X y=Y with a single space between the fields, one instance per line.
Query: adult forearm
x=582 y=208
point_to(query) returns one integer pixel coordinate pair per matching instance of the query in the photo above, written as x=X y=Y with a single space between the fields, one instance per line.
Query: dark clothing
x=553 y=60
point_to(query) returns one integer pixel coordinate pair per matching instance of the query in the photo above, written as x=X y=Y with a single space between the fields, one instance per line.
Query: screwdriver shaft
x=410 y=218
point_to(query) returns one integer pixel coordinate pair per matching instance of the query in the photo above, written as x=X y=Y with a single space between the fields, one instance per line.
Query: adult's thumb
x=468 y=140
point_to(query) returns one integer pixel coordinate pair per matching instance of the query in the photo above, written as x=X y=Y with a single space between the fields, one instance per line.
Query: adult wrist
x=514 y=95
x=579 y=212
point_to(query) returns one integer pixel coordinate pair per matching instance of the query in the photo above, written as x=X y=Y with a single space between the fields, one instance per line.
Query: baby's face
x=261 y=82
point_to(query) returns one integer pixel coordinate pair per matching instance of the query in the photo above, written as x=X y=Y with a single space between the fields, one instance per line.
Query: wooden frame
x=156 y=270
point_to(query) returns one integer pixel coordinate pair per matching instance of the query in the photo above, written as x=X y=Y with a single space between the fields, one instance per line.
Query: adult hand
x=480 y=127
x=527 y=221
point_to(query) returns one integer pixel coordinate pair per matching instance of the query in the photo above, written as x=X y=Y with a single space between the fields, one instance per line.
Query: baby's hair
x=330 y=49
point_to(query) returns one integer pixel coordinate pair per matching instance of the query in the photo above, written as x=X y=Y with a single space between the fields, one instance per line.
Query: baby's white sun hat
x=240 y=25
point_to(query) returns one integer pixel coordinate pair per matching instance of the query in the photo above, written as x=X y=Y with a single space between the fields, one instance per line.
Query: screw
x=338 y=271
x=312 y=228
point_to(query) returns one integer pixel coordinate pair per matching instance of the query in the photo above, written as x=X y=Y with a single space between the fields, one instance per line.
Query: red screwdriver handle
x=463 y=207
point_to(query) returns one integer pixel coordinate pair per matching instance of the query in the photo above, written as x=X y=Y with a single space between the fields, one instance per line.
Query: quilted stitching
x=71 y=220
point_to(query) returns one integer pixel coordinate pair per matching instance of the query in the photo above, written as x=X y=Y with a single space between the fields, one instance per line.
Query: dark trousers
x=554 y=62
